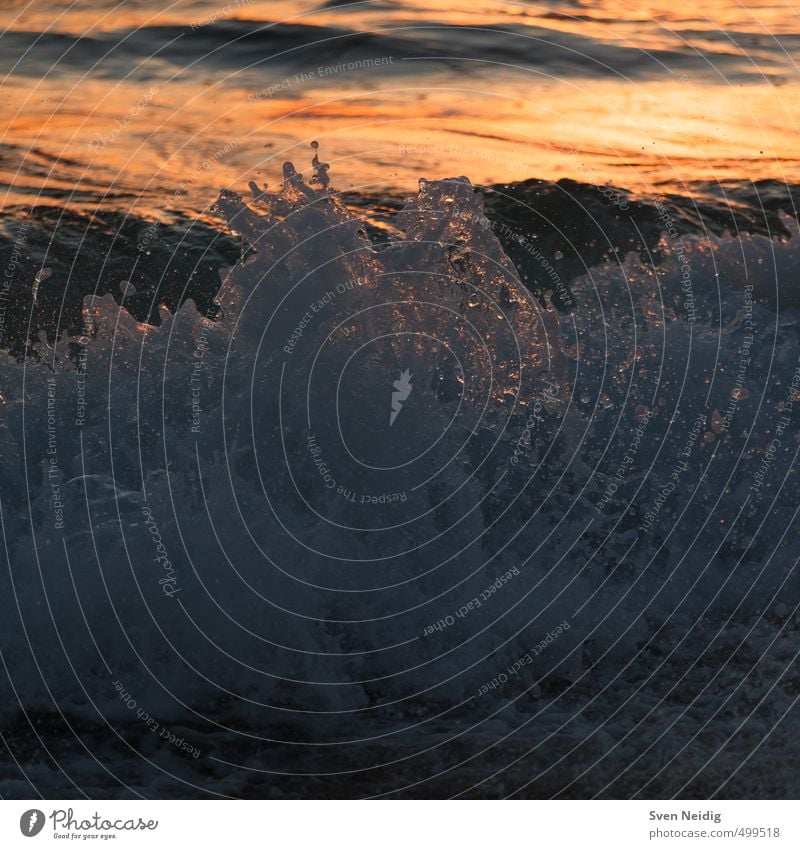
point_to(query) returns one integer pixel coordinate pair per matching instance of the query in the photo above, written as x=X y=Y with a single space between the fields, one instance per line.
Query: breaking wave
x=306 y=526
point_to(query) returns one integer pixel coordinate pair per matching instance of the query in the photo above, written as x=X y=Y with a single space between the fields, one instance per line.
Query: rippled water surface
x=140 y=106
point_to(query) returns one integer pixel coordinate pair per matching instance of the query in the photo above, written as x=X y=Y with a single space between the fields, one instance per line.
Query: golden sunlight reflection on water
x=173 y=138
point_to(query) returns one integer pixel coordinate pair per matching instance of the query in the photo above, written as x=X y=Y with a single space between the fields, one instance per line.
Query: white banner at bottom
x=402 y=824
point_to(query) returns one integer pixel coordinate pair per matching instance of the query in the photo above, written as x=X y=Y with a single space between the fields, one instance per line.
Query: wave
x=259 y=47
x=553 y=233
x=376 y=486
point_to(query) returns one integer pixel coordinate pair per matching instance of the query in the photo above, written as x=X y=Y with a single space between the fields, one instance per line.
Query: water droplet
x=254 y=189
x=320 y=168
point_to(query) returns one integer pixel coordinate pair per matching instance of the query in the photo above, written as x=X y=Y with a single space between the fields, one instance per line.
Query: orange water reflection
x=177 y=138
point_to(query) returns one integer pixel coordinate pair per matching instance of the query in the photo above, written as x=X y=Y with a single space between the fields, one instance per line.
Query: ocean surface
x=123 y=105
x=398 y=400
